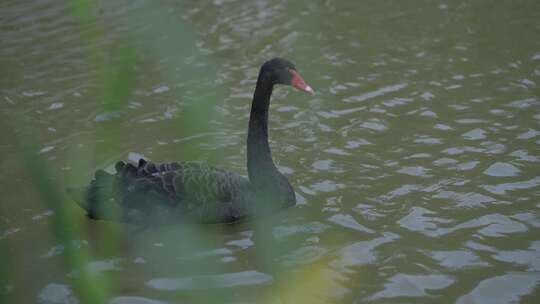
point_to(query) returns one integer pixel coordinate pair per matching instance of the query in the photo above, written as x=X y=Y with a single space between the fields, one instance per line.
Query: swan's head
x=282 y=71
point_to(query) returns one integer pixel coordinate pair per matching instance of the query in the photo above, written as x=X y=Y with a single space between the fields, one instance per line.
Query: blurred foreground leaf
x=309 y=285
x=64 y=226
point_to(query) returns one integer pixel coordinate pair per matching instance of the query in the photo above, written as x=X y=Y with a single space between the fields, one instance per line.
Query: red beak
x=299 y=83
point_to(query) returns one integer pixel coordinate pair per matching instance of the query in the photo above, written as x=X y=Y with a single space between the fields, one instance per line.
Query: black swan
x=179 y=191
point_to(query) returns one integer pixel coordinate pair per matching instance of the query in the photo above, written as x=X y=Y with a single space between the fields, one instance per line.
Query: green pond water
x=416 y=164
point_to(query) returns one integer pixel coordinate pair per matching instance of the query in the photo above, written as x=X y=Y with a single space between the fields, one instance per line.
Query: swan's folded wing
x=190 y=185
x=164 y=193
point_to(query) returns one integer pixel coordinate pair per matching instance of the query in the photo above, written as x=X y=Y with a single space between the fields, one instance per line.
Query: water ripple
x=56 y=293
x=508 y=288
x=243 y=278
x=348 y=221
x=458 y=259
x=133 y=300
x=529 y=258
x=503 y=188
x=379 y=92
x=500 y=169
x=361 y=253
x=409 y=285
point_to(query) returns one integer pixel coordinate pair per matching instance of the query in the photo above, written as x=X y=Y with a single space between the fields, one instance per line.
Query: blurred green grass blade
x=4 y=275
x=172 y=43
x=118 y=79
x=64 y=227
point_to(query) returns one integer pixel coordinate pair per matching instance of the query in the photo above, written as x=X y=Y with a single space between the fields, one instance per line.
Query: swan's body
x=175 y=192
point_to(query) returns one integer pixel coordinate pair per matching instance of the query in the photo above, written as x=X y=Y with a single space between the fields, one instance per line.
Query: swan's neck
x=267 y=182
x=259 y=158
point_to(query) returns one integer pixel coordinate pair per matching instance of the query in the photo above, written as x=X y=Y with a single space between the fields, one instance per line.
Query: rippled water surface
x=416 y=163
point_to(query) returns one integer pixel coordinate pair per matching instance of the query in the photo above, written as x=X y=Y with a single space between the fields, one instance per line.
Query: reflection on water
x=415 y=164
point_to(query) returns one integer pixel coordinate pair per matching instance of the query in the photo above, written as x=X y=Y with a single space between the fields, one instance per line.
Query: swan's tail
x=117 y=197
x=79 y=195
x=100 y=199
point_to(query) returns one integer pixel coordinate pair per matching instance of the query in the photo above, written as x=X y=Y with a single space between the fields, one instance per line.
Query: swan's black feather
x=168 y=192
